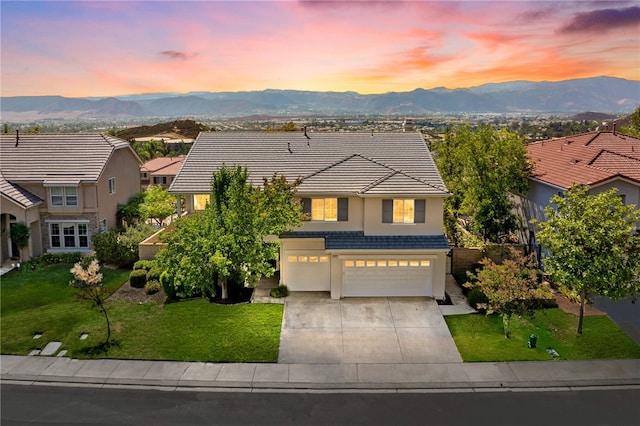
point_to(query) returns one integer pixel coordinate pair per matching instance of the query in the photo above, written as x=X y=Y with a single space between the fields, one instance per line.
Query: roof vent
x=574 y=161
x=289 y=147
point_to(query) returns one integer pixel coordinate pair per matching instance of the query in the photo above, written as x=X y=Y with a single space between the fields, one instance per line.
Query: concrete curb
x=453 y=377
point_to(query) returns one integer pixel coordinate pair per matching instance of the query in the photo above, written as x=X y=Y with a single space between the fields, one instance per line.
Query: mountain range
x=603 y=94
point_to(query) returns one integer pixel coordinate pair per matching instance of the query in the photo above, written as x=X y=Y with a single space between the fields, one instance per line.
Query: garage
x=386 y=276
x=307 y=270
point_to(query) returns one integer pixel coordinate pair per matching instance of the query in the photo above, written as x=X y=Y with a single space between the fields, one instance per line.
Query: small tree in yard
x=157 y=204
x=88 y=279
x=20 y=234
x=592 y=245
x=510 y=287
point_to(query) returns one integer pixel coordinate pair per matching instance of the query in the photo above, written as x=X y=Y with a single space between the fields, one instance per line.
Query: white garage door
x=308 y=270
x=382 y=276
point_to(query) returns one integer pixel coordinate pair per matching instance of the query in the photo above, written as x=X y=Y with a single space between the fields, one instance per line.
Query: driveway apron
x=380 y=330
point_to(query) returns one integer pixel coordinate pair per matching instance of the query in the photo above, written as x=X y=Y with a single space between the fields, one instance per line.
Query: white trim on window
x=68 y=235
x=112 y=185
x=63 y=196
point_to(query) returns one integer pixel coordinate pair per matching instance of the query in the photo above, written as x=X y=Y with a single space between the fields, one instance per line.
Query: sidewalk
x=191 y=375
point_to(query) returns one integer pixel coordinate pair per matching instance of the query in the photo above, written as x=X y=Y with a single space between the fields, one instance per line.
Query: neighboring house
x=602 y=160
x=374 y=201
x=160 y=171
x=66 y=188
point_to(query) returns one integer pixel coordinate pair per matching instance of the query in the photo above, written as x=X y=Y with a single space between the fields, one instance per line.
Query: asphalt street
x=49 y=405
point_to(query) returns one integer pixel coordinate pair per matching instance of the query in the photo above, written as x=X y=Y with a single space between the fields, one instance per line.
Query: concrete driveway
x=319 y=330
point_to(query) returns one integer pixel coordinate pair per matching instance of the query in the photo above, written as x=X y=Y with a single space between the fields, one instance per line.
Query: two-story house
x=66 y=188
x=601 y=159
x=160 y=171
x=374 y=203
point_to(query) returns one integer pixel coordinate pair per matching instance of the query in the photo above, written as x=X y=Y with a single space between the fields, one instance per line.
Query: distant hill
x=601 y=94
x=187 y=129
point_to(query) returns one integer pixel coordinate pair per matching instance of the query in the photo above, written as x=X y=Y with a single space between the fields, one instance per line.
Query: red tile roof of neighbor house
x=163 y=166
x=588 y=158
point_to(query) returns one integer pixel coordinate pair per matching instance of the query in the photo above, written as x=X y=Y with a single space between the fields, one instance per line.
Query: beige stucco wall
x=124 y=166
x=433 y=219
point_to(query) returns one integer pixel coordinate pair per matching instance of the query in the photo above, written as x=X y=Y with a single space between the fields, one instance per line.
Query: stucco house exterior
x=160 y=171
x=66 y=188
x=601 y=159
x=374 y=202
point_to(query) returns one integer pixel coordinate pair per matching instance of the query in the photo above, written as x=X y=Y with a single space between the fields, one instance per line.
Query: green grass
x=41 y=301
x=480 y=338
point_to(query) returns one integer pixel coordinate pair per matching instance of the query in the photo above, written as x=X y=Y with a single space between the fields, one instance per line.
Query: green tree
x=148 y=150
x=88 y=279
x=480 y=168
x=592 y=246
x=510 y=287
x=157 y=204
x=633 y=129
x=227 y=243
x=20 y=234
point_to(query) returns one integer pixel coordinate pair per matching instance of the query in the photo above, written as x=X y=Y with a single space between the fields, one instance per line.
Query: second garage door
x=386 y=277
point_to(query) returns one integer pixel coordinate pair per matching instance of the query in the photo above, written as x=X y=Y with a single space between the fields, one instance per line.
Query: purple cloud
x=603 y=20
x=174 y=55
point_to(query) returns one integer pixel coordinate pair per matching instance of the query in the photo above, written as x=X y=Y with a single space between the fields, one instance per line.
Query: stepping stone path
x=51 y=348
x=62 y=353
x=37 y=336
x=84 y=336
x=34 y=352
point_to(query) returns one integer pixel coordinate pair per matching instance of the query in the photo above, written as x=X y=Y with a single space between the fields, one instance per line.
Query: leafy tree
x=130 y=212
x=227 y=242
x=157 y=204
x=20 y=234
x=510 y=287
x=592 y=244
x=120 y=246
x=151 y=149
x=633 y=129
x=480 y=168
x=88 y=279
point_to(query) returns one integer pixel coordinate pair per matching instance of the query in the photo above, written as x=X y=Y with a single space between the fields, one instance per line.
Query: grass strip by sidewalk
x=42 y=302
x=480 y=337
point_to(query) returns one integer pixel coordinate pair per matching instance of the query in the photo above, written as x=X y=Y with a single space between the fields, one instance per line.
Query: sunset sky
x=115 y=48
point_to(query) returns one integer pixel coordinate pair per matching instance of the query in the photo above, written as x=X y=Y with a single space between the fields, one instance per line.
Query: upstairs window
x=112 y=185
x=326 y=209
x=403 y=211
x=64 y=196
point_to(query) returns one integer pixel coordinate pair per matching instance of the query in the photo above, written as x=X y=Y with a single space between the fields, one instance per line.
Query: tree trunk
x=106 y=317
x=506 y=320
x=223 y=288
x=583 y=296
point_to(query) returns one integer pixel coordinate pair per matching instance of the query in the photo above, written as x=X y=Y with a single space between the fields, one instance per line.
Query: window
x=403 y=211
x=112 y=185
x=326 y=209
x=159 y=180
x=103 y=225
x=200 y=201
x=69 y=235
x=64 y=196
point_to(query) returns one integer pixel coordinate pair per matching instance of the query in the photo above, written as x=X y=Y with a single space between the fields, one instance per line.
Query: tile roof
x=356 y=240
x=588 y=158
x=338 y=163
x=56 y=158
x=17 y=194
x=163 y=166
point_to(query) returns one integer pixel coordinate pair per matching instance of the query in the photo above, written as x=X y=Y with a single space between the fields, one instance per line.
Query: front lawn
x=42 y=302
x=480 y=337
